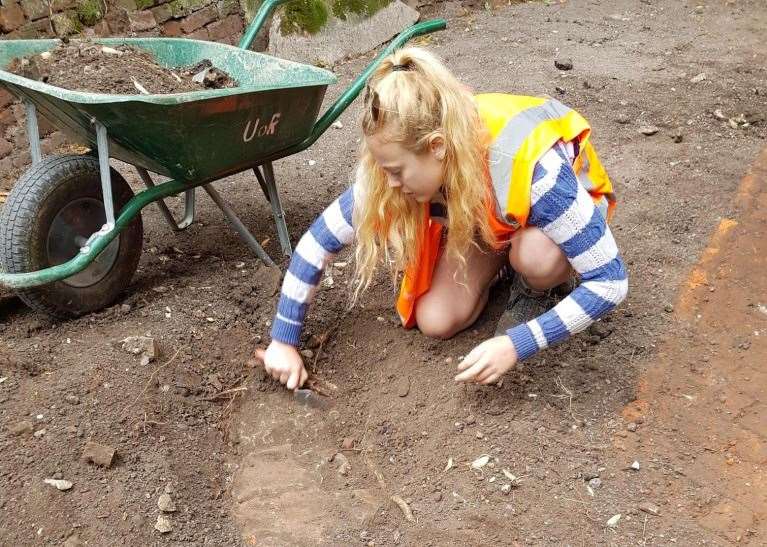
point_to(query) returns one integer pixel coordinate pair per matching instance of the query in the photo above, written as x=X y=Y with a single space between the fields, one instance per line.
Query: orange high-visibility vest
x=522 y=130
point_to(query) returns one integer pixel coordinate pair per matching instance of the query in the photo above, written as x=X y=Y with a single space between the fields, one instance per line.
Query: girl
x=451 y=188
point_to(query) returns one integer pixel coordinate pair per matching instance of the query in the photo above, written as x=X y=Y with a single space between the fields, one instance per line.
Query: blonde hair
x=415 y=98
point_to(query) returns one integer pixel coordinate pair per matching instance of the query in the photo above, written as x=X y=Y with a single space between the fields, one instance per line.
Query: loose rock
x=650 y=508
x=699 y=78
x=307 y=353
x=166 y=504
x=39 y=433
x=622 y=118
x=348 y=443
x=480 y=462
x=141 y=345
x=612 y=522
x=595 y=483
x=648 y=130
x=632 y=426
x=564 y=64
x=635 y=466
x=72 y=399
x=163 y=525
x=590 y=474
x=99 y=454
x=59 y=484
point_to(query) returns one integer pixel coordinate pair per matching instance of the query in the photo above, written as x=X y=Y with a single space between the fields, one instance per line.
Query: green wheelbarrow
x=71 y=231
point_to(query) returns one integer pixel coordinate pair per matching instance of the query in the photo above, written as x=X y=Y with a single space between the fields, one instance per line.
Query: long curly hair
x=414 y=103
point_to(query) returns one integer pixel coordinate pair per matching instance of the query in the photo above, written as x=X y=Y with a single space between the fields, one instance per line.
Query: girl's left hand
x=487 y=362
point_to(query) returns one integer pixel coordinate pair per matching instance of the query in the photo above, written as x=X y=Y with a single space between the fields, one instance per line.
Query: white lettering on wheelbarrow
x=257 y=129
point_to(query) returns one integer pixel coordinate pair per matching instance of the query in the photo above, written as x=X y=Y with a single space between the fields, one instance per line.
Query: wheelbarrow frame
x=263 y=171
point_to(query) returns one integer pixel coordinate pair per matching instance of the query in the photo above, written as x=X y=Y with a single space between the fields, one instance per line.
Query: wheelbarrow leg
x=238 y=225
x=269 y=187
x=33 y=132
x=189 y=211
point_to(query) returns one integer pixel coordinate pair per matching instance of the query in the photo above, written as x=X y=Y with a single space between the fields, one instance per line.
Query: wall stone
x=11 y=16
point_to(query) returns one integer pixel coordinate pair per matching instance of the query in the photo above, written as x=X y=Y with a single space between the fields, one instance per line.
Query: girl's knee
x=535 y=256
x=439 y=319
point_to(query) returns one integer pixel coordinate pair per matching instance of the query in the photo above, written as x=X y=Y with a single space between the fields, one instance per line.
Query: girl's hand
x=487 y=362
x=284 y=363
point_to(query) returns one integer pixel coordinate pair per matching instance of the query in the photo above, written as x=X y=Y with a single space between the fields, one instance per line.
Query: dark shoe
x=526 y=303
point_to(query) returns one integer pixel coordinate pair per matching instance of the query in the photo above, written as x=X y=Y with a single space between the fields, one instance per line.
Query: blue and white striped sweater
x=560 y=207
x=563 y=209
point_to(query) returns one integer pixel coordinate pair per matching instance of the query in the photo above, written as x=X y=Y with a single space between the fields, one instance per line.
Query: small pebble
x=163 y=525
x=307 y=353
x=59 y=484
x=166 y=504
x=564 y=64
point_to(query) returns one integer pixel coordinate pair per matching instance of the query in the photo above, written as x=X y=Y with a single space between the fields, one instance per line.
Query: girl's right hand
x=284 y=363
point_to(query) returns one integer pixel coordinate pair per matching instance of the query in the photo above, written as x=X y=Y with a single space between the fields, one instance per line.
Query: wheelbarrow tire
x=25 y=227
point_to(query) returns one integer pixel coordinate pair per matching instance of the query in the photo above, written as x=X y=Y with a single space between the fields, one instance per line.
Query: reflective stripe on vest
x=529 y=128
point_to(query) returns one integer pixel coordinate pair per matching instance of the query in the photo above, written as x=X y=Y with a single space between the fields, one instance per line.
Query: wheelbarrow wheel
x=50 y=213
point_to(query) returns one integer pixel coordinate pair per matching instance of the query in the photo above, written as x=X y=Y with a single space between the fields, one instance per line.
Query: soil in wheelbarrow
x=123 y=70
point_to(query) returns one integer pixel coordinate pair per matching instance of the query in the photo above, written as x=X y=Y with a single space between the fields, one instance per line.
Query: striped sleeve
x=330 y=233
x=563 y=209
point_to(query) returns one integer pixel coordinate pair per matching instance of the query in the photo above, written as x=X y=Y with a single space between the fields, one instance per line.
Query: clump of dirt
x=122 y=70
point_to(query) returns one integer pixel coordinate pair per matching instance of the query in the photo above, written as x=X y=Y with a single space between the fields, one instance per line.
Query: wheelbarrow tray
x=194 y=136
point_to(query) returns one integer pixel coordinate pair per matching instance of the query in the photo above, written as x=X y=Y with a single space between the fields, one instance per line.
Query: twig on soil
x=324 y=337
x=225 y=392
x=568 y=394
x=404 y=507
x=644 y=531
x=149 y=382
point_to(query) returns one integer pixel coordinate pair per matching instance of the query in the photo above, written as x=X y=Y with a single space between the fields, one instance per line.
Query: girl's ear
x=437 y=147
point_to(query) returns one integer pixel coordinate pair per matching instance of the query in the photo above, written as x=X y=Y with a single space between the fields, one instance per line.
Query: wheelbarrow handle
x=348 y=96
x=267 y=7
x=358 y=84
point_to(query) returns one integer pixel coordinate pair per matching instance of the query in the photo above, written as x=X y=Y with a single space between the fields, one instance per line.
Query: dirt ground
x=671 y=380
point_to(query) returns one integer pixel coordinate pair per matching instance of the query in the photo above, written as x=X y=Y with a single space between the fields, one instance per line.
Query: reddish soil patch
x=702 y=404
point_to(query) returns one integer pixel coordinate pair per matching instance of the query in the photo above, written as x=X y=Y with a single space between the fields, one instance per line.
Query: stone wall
x=214 y=20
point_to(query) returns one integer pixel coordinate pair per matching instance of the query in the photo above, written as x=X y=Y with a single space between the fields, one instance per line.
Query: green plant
x=304 y=15
x=366 y=8
x=90 y=12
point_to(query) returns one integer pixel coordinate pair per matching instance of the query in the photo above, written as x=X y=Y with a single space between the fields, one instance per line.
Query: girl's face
x=418 y=176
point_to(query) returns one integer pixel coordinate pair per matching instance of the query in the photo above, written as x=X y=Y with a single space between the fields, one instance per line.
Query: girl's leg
x=457 y=297
x=539 y=260
x=540 y=265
